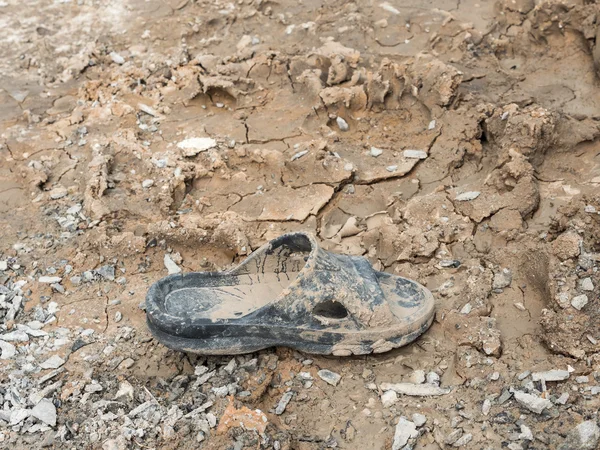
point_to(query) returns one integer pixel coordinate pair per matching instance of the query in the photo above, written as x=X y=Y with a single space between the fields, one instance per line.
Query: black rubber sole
x=288 y=337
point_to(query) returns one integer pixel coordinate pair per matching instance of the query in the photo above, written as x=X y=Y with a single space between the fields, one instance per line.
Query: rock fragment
x=7 y=350
x=282 y=405
x=107 y=272
x=415 y=154
x=388 y=398
x=342 y=124
x=15 y=336
x=526 y=433
x=141 y=408
x=584 y=436
x=502 y=279
x=417 y=377
x=405 y=430
x=299 y=155
x=45 y=411
x=531 y=402
x=54 y=362
x=116 y=58
x=192 y=146
x=563 y=399
x=58 y=193
x=49 y=280
x=567 y=245
x=467 y=196
x=551 y=375
x=249 y=419
x=329 y=377
x=463 y=440
x=125 y=391
x=579 y=302
x=417 y=390
x=419 y=419
x=485 y=408
x=170 y=265
x=18 y=415
x=375 y=152
x=587 y=284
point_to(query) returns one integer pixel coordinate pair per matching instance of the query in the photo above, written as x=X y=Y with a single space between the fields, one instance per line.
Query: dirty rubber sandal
x=289 y=293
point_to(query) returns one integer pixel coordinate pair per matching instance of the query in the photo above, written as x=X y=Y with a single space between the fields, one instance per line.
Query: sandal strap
x=324 y=278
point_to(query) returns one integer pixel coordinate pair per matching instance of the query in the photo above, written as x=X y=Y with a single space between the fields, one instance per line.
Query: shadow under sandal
x=289 y=293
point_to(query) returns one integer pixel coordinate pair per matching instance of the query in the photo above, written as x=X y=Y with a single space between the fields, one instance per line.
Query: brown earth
x=502 y=98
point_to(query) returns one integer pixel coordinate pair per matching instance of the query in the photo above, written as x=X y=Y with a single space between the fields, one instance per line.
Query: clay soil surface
x=451 y=142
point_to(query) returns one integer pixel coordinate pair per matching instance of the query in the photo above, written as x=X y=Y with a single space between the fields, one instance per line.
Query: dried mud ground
x=455 y=143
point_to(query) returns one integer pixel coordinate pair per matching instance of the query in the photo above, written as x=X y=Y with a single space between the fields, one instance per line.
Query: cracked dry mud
x=455 y=143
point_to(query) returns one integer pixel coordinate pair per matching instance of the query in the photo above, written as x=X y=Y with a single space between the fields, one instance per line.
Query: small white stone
x=18 y=415
x=170 y=265
x=526 y=433
x=415 y=154
x=50 y=280
x=8 y=350
x=485 y=408
x=531 y=402
x=15 y=336
x=464 y=440
x=147 y=183
x=193 y=146
x=388 y=398
x=342 y=124
x=467 y=196
x=466 y=309
x=589 y=209
x=433 y=378
x=329 y=377
x=579 y=302
x=3 y=266
x=58 y=193
x=502 y=279
x=551 y=375
x=417 y=377
x=584 y=436
x=54 y=362
x=431 y=125
x=587 y=284
x=299 y=155
x=419 y=419
x=75 y=209
x=45 y=411
x=125 y=391
x=405 y=430
x=391 y=168
x=389 y=8
x=375 y=152
x=212 y=420
x=116 y=58
x=417 y=390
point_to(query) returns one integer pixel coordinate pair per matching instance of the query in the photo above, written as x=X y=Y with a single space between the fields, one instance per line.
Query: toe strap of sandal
x=329 y=289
